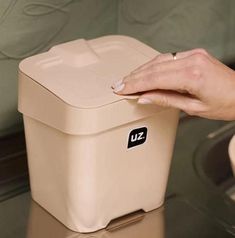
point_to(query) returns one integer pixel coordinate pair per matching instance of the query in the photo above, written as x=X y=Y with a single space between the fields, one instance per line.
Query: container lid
x=81 y=72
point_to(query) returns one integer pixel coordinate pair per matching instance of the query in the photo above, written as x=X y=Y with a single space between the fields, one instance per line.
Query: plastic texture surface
x=75 y=98
x=86 y=181
x=81 y=72
x=82 y=169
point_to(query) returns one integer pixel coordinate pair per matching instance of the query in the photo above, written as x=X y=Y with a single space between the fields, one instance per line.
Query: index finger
x=175 y=80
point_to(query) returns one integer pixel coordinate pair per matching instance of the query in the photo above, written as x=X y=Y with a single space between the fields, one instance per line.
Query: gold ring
x=174 y=55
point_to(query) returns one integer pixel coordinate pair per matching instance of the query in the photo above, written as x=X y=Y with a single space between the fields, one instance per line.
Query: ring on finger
x=174 y=55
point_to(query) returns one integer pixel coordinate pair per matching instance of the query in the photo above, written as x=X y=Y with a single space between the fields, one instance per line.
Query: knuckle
x=200 y=59
x=159 y=58
x=194 y=72
x=202 y=51
x=194 y=83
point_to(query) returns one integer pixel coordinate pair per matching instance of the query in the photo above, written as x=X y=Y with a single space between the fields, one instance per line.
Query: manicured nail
x=119 y=88
x=145 y=101
x=118 y=83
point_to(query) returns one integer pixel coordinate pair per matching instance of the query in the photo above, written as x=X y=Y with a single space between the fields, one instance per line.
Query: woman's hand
x=194 y=82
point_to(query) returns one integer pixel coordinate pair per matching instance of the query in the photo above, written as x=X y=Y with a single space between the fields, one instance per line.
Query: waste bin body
x=93 y=156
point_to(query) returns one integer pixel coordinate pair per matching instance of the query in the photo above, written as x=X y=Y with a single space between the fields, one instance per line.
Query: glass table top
x=198 y=202
x=21 y=217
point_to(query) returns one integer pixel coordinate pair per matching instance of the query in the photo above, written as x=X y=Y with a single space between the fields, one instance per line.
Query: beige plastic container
x=93 y=156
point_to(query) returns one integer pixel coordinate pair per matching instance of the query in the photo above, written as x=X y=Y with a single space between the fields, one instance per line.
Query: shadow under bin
x=177 y=218
x=138 y=225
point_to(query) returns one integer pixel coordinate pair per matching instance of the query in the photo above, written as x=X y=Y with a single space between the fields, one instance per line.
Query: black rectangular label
x=137 y=137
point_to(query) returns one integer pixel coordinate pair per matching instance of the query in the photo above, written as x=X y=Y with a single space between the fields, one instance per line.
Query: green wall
x=174 y=25
x=28 y=27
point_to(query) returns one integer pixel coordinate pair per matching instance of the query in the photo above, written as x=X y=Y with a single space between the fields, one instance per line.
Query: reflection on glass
x=139 y=225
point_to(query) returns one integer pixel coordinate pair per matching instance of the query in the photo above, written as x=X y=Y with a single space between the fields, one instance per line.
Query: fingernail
x=116 y=84
x=119 y=88
x=145 y=101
